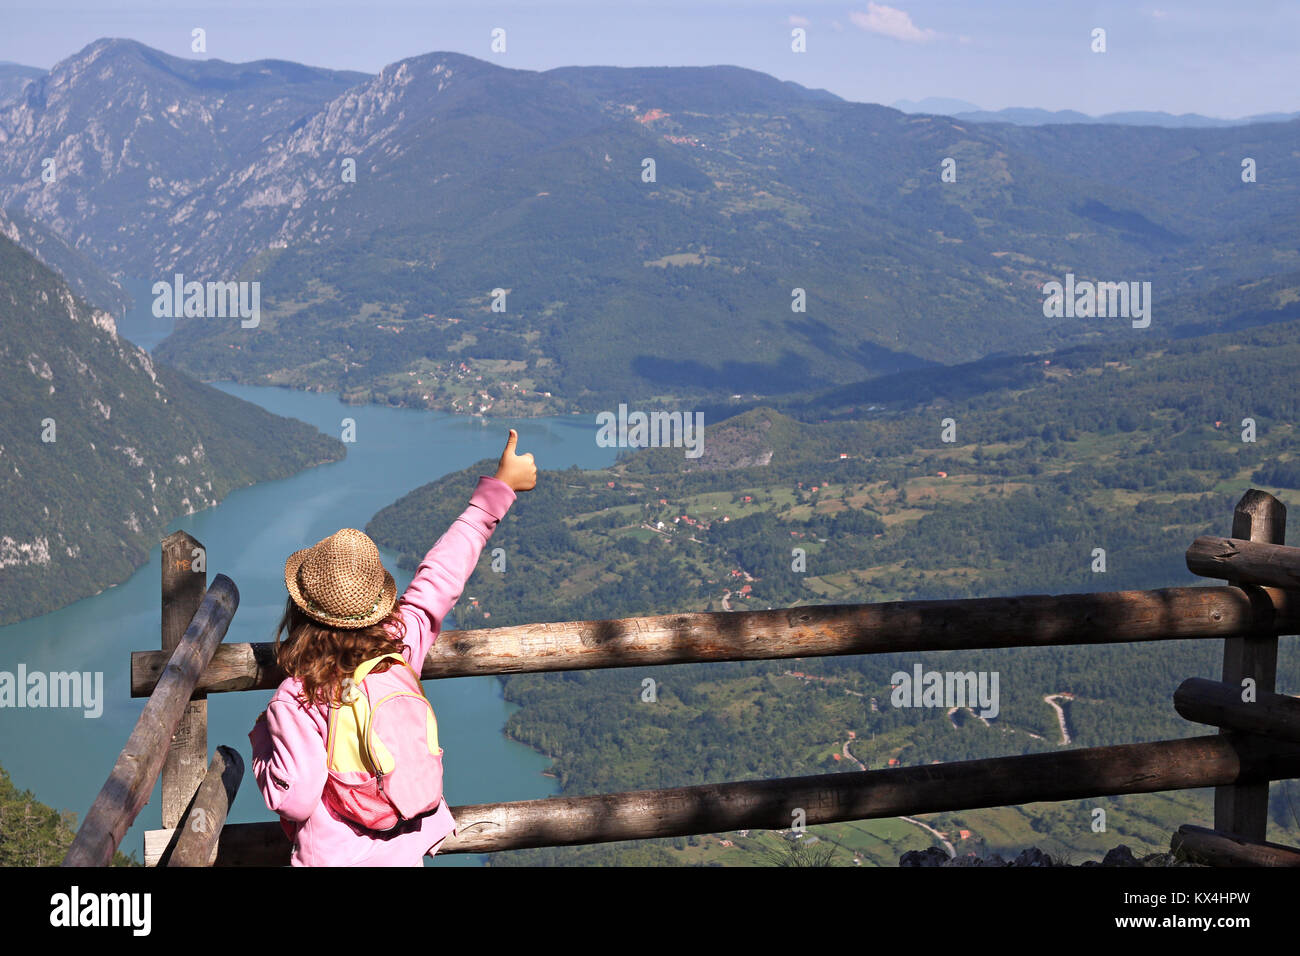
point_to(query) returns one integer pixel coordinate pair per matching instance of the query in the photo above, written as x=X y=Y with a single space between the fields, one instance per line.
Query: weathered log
x=200 y=827
x=182 y=592
x=131 y=781
x=1245 y=562
x=1243 y=809
x=1040 y=620
x=1220 y=705
x=1202 y=845
x=829 y=798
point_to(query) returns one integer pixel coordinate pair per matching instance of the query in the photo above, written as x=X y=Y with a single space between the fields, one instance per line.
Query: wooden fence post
x=183 y=588
x=1242 y=809
x=200 y=828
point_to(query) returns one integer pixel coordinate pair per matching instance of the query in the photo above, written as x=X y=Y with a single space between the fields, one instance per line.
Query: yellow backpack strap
x=364 y=669
x=329 y=736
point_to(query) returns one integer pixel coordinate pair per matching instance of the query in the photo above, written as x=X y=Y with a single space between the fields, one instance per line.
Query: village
x=457 y=385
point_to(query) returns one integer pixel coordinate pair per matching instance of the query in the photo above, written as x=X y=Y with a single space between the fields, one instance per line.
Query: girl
x=343 y=609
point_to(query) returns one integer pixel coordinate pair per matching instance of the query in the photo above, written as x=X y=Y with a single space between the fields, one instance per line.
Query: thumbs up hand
x=517 y=471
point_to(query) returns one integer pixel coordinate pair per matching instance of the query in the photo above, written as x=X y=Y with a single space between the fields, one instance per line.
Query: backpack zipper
x=379 y=777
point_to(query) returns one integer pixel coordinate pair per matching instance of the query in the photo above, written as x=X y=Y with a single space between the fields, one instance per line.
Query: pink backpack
x=382 y=752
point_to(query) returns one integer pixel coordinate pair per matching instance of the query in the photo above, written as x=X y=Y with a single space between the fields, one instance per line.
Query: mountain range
x=1032 y=116
x=499 y=249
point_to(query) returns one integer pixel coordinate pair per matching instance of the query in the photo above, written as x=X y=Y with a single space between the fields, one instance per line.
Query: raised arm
x=440 y=579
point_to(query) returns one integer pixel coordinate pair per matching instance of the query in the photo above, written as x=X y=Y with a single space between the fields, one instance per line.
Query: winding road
x=952 y=851
x=861 y=765
x=1060 y=714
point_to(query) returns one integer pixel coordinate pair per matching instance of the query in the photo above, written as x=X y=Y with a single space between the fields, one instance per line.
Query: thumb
x=511 y=442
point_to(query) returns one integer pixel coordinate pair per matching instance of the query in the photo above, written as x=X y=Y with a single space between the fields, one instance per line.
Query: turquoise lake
x=64 y=757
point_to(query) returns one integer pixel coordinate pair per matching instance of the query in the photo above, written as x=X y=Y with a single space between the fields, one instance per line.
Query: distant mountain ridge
x=939 y=105
x=13 y=77
x=1032 y=116
x=131 y=129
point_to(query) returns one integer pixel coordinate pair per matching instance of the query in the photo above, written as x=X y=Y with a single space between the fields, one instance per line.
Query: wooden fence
x=1258 y=739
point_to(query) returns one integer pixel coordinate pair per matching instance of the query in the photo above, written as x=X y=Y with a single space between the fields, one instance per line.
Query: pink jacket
x=289 y=746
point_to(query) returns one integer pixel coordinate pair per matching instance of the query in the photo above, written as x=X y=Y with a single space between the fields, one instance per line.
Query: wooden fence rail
x=1246 y=562
x=1213 y=848
x=1221 y=705
x=1038 y=620
x=830 y=798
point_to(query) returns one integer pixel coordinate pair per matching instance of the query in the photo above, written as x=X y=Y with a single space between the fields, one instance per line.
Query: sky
x=1180 y=56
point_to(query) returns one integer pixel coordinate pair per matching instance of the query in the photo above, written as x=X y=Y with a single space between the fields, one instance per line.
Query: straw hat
x=340 y=581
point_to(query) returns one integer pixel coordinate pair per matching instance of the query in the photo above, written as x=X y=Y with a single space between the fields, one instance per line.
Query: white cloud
x=798 y=21
x=890 y=22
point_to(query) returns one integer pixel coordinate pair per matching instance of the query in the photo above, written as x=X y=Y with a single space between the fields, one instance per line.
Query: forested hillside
x=32 y=834
x=100 y=448
x=1099 y=447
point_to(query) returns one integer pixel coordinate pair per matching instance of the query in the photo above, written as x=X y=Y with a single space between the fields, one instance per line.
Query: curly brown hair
x=322 y=656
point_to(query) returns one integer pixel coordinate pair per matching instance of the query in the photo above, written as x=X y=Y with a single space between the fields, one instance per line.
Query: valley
x=1102 y=447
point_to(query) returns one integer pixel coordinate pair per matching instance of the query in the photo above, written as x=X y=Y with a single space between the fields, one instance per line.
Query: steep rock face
x=100 y=448
x=83 y=275
x=131 y=131
x=291 y=187
x=164 y=163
